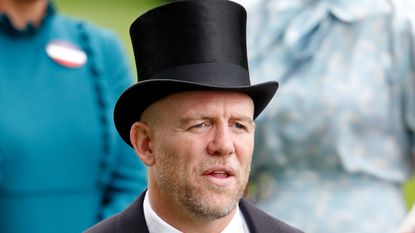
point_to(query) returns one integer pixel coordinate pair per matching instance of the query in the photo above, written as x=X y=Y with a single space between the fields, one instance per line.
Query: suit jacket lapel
x=132 y=219
x=260 y=222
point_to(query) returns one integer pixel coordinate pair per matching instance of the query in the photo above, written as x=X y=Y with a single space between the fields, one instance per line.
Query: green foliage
x=116 y=15
x=409 y=189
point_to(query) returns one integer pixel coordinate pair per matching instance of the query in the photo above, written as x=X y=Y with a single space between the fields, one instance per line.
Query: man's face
x=203 y=145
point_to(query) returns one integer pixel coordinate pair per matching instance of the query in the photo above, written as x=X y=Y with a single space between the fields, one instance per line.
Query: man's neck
x=23 y=12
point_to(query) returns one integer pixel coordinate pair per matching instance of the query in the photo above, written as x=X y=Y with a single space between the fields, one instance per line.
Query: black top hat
x=185 y=46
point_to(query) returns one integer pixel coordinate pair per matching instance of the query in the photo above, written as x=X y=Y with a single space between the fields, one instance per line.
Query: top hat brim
x=188 y=46
x=139 y=96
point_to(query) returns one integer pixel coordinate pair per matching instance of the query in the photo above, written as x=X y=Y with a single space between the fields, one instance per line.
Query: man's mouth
x=221 y=176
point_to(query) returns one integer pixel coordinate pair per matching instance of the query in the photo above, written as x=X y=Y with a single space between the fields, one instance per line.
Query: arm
x=124 y=176
x=128 y=180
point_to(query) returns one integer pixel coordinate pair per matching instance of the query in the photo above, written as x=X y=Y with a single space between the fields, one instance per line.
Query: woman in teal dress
x=62 y=165
x=335 y=146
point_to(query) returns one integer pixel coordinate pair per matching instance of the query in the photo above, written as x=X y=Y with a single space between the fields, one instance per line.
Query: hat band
x=213 y=74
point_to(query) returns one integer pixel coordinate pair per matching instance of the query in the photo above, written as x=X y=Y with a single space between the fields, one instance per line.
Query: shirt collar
x=157 y=225
x=237 y=224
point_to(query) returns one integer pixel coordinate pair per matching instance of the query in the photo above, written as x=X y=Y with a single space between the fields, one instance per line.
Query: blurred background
x=117 y=15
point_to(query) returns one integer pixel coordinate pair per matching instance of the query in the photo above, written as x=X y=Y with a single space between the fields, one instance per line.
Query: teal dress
x=63 y=167
x=336 y=142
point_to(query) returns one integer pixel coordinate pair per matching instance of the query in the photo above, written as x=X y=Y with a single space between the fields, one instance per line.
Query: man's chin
x=213 y=208
x=213 y=200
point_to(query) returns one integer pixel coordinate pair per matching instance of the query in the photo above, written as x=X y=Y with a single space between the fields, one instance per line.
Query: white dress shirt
x=157 y=225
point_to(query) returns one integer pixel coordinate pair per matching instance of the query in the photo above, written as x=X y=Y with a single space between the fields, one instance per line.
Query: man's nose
x=221 y=142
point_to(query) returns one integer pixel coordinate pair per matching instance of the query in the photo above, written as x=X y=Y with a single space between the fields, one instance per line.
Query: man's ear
x=140 y=137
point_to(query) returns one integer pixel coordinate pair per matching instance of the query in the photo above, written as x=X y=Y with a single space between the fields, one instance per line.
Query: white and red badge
x=66 y=54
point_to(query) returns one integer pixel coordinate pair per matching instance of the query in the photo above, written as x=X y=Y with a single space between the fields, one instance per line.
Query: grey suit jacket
x=132 y=220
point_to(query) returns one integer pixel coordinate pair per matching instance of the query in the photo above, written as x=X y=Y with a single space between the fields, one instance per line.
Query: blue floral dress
x=335 y=144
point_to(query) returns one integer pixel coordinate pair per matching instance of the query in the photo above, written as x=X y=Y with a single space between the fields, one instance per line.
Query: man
x=190 y=120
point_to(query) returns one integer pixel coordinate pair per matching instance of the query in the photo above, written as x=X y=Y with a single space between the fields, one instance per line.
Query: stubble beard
x=201 y=198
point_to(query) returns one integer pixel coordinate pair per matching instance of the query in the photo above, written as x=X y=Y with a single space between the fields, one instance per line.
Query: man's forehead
x=204 y=103
x=194 y=101
x=206 y=95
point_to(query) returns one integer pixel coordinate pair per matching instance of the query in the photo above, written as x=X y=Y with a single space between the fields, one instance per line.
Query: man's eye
x=239 y=125
x=200 y=125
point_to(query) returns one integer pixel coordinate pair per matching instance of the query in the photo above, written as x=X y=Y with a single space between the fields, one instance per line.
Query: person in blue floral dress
x=335 y=146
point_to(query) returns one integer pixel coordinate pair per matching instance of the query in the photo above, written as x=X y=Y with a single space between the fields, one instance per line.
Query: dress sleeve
x=404 y=65
x=124 y=175
x=128 y=179
x=408 y=7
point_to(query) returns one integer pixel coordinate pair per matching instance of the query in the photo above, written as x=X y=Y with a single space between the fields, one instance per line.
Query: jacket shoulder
x=261 y=222
x=130 y=220
x=106 y=226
